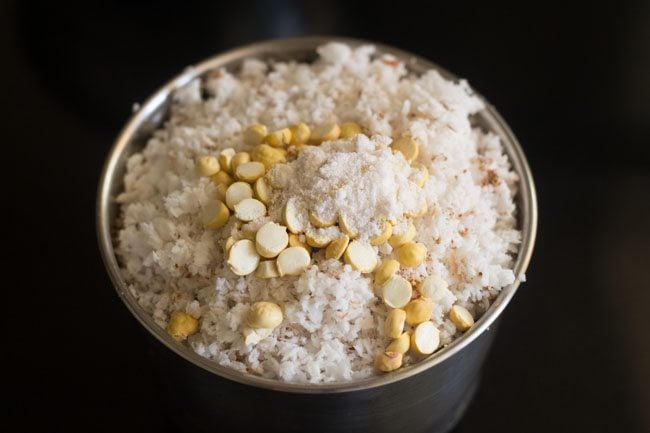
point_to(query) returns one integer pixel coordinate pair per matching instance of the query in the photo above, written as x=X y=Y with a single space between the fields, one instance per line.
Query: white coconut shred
x=333 y=324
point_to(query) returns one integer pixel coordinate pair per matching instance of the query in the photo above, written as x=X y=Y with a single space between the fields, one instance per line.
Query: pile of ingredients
x=319 y=222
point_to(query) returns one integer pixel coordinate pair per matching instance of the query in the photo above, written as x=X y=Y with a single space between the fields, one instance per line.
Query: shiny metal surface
x=430 y=392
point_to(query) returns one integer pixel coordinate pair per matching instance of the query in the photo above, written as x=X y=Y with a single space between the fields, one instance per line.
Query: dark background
x=572 y=80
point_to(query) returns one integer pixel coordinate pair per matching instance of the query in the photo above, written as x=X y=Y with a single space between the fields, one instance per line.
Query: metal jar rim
x=109 y=185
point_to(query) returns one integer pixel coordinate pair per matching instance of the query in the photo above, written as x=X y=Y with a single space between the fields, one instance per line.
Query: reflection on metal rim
x=286 y=49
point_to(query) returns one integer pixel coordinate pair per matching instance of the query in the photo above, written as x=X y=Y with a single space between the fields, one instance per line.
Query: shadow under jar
x=429 y=396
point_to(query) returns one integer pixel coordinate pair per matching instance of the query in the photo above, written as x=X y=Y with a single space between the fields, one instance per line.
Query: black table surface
x=573 y=349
